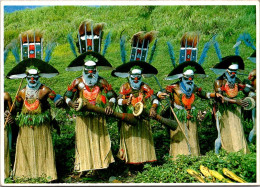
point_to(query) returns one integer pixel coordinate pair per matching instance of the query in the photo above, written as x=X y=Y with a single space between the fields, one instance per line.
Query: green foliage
x=242 y=165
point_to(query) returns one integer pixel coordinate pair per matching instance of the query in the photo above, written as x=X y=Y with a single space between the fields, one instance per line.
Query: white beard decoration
x=90 y=79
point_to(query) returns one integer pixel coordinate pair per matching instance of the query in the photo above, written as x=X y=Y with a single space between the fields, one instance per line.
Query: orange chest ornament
x=137 y=99
x=187 y=102
x=231 y=92
x=32 y=106
x=91 y=94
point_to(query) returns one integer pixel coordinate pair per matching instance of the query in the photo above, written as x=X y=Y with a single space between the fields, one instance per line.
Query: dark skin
x=44 y=94
x=109 y=110
x=252 y=78
x=8 y=106
x=177 y=95
x=152 y=112
x=218 y=84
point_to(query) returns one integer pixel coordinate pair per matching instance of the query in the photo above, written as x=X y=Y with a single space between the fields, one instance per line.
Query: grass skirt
x=178 y=143
x=232 y=133
x=136 y=143
x=93 y=145
x=34 y=155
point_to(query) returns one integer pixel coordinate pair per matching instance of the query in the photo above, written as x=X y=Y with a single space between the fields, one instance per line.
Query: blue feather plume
x=122 y=48
x=6 y=51
x=48 y=51
x=152 y=52
x=216 y=45
x=107 y=42
x=72 y=46
x=171 y=53
x=204 y=52
x=238 y=42
x=15 y=50
x=248 y=40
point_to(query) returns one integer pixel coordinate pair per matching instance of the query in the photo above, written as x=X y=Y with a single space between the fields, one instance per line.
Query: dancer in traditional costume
x=9 y=122
x=184 y=140
x=229 y=113
x=250 y=82
x=93 y=146
x=136 y=141
x=34 y=155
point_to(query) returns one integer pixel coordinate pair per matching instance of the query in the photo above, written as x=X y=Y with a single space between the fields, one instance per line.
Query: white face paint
x=33 y=78
x=90 y=75
x=135 y=79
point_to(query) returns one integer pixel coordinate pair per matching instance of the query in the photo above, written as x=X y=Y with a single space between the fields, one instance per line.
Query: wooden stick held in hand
x=13 y=102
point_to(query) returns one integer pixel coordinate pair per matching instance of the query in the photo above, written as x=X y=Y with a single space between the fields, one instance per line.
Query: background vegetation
x=171 y=22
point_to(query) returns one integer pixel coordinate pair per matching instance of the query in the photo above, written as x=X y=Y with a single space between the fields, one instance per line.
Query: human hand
x=109 y=110
x=152 y=113
x=218 y=95
x=162 y=95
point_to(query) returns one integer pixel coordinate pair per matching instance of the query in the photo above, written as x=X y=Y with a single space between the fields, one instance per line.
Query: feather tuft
x=98 y=27
x=138 y=37
x=152 y=52
x=15 y=50
x=190 y=39
x=204 y=52
x=31 y=34
x=72 y=46
x=216 y=46
x=107 y=42
x=48 y=51
x=6 y=51
x=82 y=27
x=149 y=37
x=122 y=49
x=248 y=40
x=171 y=53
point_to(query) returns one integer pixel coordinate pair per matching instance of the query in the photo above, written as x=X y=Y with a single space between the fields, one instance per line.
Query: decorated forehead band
x=233 y=67
x=188 y=72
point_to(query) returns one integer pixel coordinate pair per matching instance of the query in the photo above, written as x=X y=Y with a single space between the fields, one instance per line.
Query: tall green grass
x=171 y=22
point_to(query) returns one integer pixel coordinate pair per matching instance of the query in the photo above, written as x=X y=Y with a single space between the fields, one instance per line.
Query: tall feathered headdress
x=225 y=62
x=188 y=56
x=140 y=45
x=90 y=37
x=249 y=43
x=89 y=44
x=189 y=51
x=139 y=51
x=31 y=50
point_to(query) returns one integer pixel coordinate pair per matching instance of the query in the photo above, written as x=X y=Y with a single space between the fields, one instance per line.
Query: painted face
x=32 y=78
x=187 y=84
x=90 y=75
x=135 y=81
x=231 y=77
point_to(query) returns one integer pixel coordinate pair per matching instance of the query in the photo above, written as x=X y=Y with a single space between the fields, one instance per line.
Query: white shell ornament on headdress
x=90 y=63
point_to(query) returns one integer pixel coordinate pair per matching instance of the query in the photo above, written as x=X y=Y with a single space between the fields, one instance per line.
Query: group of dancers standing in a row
x=93 y=100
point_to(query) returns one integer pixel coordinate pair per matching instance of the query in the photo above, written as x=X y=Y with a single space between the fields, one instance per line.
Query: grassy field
x=171 y=22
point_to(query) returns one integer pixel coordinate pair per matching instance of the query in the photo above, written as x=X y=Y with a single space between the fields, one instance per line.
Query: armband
x=69 y=94
x=68 y=100
x=57 y=97
x=155 y=101
x=120 y=102
x=113 y=100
